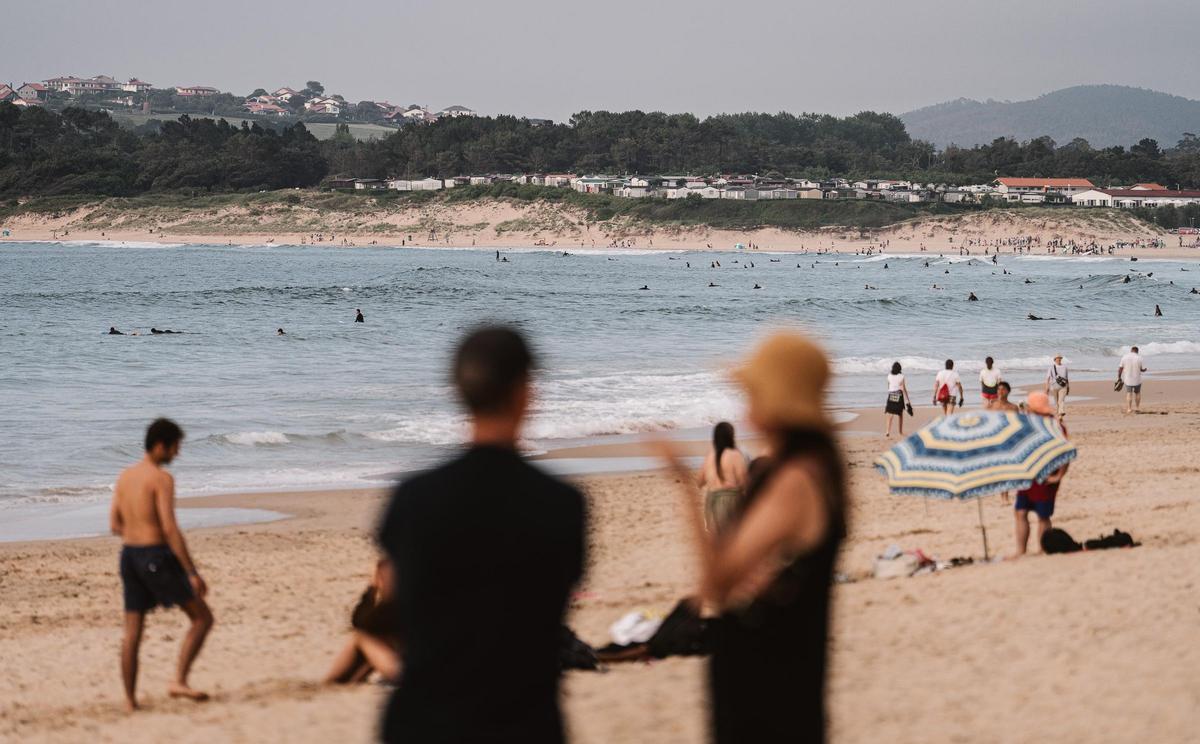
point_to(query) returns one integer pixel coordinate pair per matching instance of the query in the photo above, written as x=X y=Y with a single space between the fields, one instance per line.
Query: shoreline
x=630 y=456
x=792 y=244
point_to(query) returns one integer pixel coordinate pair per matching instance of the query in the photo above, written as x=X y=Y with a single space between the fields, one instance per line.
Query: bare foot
x=178 y=690
x=131 y=705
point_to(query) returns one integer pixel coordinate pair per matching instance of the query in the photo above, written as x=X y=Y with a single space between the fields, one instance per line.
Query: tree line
x=86 y=152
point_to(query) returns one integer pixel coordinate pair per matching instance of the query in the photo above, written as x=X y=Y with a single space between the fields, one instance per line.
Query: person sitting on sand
x=486 y=549
x=1001 y=401
x=156 y=567
x=372 y=647
x=944 y=385
x=722 y=478
x=1038 y=498
x=770 y=576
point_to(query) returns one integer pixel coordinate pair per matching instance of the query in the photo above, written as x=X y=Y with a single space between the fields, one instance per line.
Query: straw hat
x=1039 y=402
x=785 y=378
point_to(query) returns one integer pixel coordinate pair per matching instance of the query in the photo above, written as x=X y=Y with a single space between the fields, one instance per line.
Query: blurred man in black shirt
x=486 y=549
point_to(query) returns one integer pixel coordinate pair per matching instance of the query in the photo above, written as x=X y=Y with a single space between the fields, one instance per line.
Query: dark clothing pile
x=486 y=550
x=1059 y=541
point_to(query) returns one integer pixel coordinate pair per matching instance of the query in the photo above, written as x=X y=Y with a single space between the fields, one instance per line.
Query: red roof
x=1044 y=183
x=1149 y=186
x=35 y=86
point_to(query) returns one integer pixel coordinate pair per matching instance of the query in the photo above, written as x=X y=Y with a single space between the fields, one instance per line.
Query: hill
x=1104 y=115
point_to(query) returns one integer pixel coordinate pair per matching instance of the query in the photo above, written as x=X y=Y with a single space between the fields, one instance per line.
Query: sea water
x=334 y=403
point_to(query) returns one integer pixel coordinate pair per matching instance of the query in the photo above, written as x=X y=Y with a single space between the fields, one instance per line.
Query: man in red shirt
x=1038 y=498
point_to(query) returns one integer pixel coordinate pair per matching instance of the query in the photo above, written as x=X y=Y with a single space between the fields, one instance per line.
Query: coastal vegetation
x=80 y=155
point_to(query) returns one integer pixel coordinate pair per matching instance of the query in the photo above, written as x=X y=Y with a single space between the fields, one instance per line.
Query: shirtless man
x=156 y=568
x=1002 y=403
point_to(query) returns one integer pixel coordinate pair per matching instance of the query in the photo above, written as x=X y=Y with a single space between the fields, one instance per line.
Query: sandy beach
x=499 y=223
x=1093 y=646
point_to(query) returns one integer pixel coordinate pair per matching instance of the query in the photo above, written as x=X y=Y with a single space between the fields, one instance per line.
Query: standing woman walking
x=989 y=382
x=897 y=399
x=769 y=575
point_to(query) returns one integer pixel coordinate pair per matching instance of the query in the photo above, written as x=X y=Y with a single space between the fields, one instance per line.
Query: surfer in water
x=358 y=317
x=112 y=331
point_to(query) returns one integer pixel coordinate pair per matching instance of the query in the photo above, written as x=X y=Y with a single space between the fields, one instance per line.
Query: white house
x=455 y=111
x=1126 y=198
x=1014 y=188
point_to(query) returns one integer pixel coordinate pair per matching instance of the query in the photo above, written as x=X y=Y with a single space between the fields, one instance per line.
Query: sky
x=550 y=58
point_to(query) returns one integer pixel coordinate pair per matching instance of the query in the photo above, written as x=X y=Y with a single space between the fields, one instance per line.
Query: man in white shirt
x=943 y=388
x=1058 y=385
x=1130 y=372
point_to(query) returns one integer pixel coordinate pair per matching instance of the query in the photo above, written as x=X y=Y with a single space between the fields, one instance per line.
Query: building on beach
x=1018 y=189
x=1134 y=197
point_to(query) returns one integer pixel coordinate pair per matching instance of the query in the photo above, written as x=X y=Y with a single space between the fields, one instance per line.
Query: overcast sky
x=549 y=58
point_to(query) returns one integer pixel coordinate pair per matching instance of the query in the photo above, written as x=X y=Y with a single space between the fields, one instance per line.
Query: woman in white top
x=897 y=399
x=989 y=382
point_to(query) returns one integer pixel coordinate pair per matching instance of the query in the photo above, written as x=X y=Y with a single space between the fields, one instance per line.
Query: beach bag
x=1060 y=380
x=896 y=397
x=1117 y=539
x=943 y=394
x=1059 y=541
x=682 y=633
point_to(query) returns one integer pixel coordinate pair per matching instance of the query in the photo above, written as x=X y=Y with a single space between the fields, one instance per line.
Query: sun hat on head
x=1058 y=356
x=785 y=378
x=1039 y=402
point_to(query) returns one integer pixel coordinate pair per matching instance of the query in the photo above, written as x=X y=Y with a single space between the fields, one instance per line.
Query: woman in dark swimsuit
x=769 y=576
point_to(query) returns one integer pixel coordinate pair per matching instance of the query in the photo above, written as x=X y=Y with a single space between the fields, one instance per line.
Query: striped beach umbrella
x=974 y=454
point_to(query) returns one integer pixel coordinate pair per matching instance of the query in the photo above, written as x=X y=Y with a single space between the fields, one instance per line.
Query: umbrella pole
x=979 y=503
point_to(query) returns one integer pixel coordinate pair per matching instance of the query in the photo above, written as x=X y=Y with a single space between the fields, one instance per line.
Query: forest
x=85 y=152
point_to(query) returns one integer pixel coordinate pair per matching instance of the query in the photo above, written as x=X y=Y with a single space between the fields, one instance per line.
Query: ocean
x=337 y=404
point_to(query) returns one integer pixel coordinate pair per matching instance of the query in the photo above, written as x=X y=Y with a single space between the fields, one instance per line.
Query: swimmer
x=112 y=331
x=972 y=298
x=279 y=332
x=358 y=316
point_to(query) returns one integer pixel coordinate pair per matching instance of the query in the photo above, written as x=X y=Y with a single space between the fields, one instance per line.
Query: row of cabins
x=1078 y=192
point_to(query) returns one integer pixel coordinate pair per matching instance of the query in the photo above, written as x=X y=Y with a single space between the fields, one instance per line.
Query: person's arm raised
x=789 y=516
x=165 y=503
